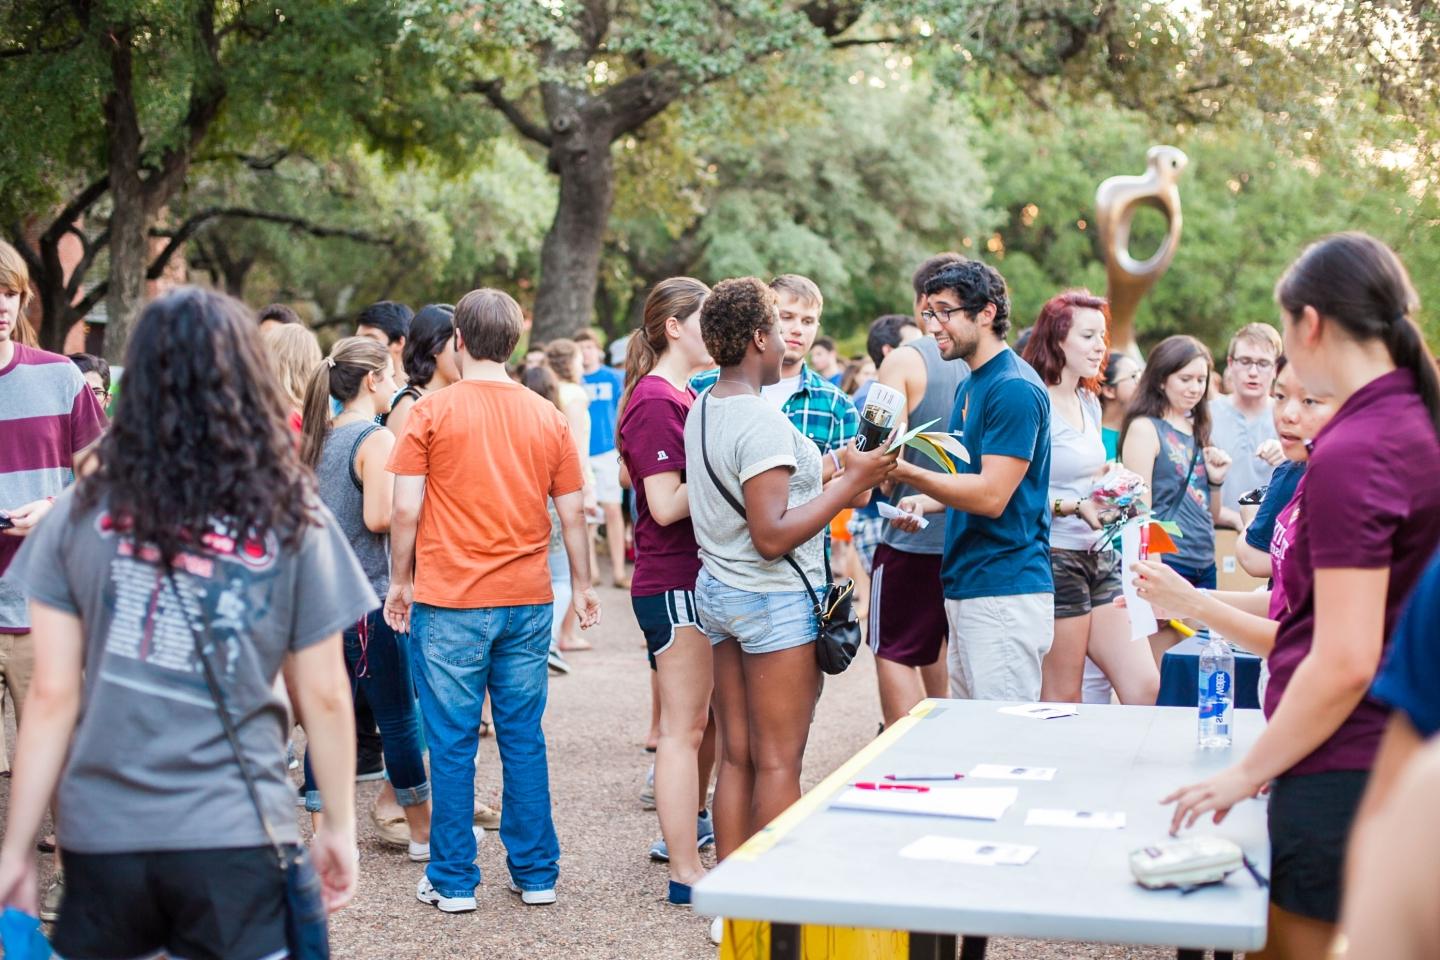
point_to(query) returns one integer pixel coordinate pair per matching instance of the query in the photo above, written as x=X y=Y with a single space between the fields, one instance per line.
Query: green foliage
x=852 y=190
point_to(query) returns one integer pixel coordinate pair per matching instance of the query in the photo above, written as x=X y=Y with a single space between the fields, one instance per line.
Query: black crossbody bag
x=838 y=638
x=306 y=934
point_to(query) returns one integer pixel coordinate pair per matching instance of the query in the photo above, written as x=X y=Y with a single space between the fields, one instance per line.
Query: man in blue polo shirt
x=996 y=573
x=605 y=386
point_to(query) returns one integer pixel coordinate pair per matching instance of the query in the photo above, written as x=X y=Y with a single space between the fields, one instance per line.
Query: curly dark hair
x=200 y=434
x=975 y=284
x=430 y=330
x=732 y=313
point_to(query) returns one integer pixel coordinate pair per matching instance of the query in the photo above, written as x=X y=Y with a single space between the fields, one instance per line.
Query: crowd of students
x=403 y=531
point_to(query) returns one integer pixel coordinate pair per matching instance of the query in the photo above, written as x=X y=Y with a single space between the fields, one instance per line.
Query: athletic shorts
x=907 y=607
x=865 y=535
x=1084 y=580
x=1310 y=818
x=759 y=622
x=606 y=467
x=659 y=615
x=195 y=904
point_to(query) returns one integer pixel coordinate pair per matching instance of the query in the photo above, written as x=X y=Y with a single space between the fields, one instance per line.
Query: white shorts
x=997 y=644
x=606 y=467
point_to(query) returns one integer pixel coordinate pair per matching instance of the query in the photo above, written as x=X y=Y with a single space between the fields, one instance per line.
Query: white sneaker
x=717 y=930
x=420 y=852
x=425 y=893
x=534 y=898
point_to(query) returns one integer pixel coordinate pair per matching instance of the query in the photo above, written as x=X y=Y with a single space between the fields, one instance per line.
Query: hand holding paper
x=895 y=513
x=941 y=448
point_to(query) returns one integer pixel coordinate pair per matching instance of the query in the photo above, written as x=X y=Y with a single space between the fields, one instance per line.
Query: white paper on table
x=891 y=512
x=959 y=850
x=1083 y=819
x=1142 y=618
x=978 y=803
x=1040 y=711
x=999 y=771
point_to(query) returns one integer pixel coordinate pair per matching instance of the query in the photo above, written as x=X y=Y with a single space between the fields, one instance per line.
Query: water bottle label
x=1219 y=684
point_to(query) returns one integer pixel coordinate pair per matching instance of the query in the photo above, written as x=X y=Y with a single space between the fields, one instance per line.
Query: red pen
x=924 y=776
x=867 y=785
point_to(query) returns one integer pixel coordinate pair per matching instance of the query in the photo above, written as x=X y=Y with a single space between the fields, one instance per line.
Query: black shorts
x=659 y=615
x=1084 y=580
x=226 y=904
x=1310 y=819
x=907 y=607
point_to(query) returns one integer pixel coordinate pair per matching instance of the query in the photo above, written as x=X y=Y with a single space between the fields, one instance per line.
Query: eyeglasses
x=930 y=316
x=1125 y=379
x=1253 y=363
x=101 y=394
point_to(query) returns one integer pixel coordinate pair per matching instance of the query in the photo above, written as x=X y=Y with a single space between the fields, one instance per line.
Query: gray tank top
x=340 y=491
x=942 y=380
x=1183 y=499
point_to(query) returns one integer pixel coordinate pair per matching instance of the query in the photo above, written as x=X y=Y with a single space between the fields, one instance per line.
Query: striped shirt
x=819 y=409
x=47 y=415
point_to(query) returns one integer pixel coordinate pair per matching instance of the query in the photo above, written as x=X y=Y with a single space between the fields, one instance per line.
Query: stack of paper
x=959 y=850
x=977 y=803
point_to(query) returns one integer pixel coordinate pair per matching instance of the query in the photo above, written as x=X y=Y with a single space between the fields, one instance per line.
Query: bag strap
x=1174 y=508
x=217 y=696
x=735 y=504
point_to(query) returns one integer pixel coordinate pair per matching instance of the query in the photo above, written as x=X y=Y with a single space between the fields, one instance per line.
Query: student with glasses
x=1242 y=423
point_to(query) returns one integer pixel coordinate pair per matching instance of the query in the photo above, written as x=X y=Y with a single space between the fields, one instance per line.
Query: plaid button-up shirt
x=818 y=409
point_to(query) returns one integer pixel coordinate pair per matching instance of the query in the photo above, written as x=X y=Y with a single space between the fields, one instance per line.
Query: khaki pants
x=17 y=667
x=997 y=645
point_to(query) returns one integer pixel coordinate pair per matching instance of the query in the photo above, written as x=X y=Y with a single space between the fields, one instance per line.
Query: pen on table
x=924 y=776
x=867 y=785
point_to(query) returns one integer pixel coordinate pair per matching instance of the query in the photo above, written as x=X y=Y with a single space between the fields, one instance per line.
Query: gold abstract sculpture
x=1116 y=200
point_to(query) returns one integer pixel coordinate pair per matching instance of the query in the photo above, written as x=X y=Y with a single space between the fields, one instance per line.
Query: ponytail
x=1357 y=282
x=315 y=413
x=339 y=375
x=1407 y=348
x=676 y=297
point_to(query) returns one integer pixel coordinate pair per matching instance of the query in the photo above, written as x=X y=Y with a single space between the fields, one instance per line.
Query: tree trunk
x=129 y=243
x=570 y=256
x=129 y=258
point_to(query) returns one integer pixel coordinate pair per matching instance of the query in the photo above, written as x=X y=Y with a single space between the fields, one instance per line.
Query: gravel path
x=611 y=897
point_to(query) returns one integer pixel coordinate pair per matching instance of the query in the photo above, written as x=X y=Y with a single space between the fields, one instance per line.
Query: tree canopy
x=577 y=152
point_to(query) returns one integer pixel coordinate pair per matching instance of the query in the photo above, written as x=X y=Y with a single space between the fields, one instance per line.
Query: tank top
x=1185 y=500
x=942 y=381
x=1076 y=458
x=341 y=492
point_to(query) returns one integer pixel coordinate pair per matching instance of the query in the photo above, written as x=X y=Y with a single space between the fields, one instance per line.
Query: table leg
x=932 y=946
x=784 y=941
x=973 y=948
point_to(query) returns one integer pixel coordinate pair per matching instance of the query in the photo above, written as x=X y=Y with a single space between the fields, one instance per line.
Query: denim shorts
x=759 y=622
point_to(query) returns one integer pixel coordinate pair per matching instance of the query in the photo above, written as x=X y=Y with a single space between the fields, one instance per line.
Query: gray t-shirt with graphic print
x=149 y=765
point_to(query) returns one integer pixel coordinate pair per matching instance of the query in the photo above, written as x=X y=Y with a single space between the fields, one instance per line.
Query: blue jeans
x=384 y=661
x=459 y=655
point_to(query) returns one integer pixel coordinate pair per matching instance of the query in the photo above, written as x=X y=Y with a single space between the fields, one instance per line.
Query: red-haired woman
x=1068 y=348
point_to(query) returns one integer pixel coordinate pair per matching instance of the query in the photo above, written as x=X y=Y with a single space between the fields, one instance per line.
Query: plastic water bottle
x=1217 y=693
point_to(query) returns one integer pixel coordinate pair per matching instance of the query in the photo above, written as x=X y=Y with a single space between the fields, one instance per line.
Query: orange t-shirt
x=491 y=453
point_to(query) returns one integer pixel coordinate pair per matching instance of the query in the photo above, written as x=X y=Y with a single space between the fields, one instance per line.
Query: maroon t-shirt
x=1369 y=499
x=652 y=441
